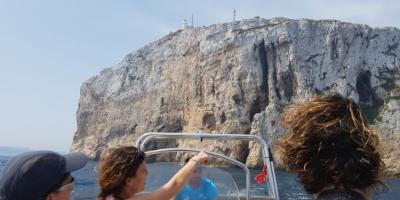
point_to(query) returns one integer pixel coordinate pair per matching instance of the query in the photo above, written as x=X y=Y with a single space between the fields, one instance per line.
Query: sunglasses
x=67 y=186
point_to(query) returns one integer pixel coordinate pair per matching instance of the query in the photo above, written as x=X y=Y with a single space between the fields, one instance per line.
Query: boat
x=228 y=185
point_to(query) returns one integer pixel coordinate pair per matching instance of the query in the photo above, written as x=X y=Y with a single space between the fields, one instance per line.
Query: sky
x=48 y=48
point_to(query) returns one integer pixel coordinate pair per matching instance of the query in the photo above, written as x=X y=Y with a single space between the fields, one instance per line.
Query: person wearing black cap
x=40 y=175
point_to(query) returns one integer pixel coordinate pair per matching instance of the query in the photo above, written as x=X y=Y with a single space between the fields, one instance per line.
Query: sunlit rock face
x=238 y=77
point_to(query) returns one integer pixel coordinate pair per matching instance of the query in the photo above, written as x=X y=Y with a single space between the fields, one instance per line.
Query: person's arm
x=176 y=183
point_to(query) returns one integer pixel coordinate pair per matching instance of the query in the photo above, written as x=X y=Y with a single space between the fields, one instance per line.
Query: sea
x=289 y=189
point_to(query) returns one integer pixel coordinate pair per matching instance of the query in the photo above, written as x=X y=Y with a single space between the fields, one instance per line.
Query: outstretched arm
x=176 y=183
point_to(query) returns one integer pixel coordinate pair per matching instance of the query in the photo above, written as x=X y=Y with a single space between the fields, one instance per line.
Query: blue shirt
x=206 y=191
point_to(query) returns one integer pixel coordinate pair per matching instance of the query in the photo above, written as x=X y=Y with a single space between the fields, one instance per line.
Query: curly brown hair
x=115 y=167
x=327 y=143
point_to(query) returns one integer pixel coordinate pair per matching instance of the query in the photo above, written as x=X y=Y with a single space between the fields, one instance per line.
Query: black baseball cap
x=32 y=175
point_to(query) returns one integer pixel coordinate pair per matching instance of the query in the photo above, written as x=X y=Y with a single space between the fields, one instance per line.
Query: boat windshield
x=166 y=153
x=226 y=187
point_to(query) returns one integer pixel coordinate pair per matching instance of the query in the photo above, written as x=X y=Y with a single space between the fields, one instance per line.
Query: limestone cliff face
x=237 y=78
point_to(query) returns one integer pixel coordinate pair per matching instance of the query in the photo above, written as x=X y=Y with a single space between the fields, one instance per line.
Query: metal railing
x=268 y=161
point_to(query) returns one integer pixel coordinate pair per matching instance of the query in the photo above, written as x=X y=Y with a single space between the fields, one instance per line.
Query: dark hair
x=115 y=166
x=58 y=185
x=327 y=143
x=188 y=159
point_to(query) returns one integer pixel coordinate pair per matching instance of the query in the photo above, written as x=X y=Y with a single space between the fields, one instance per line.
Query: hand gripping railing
x=140 y=143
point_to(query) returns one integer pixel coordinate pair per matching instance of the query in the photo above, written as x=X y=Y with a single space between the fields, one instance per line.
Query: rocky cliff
x=237 y=78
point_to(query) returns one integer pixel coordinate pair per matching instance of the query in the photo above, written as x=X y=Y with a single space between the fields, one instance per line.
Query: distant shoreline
x=12 y=151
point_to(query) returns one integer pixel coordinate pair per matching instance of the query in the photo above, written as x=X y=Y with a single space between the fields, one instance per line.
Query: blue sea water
x=289 y=189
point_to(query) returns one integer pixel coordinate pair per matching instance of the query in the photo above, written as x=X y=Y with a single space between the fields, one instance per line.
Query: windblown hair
x=115 y=167
x=327 y=143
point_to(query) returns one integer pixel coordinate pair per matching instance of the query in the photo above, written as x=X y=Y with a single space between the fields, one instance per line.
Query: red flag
x=262 y=176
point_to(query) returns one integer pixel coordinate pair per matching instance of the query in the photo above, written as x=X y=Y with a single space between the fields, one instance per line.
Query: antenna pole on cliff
x=234 y=14
x=192 y=20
